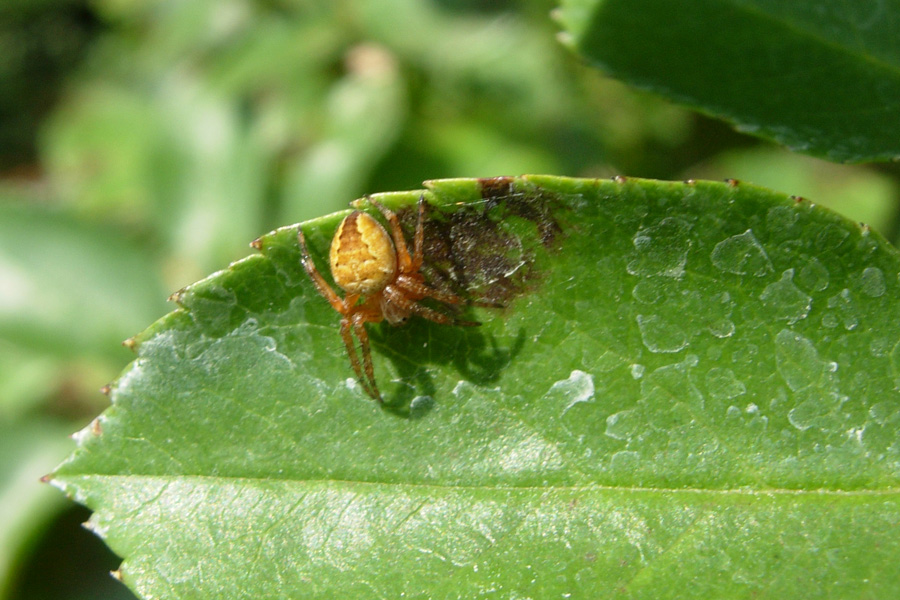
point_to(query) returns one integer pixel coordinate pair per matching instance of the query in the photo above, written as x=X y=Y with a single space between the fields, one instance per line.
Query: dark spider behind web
x=486 y=253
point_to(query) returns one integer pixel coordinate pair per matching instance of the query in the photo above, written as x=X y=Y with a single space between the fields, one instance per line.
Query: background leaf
x=26 y=507
x=819 y=77
x=692 y=391
x=69 y=288
x=70 y=292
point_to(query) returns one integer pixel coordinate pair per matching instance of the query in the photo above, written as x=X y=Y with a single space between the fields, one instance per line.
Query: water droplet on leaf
x=661 y=250
x=723 y=385
x=786 y=301
x=660 y=335
x=845 y=309
x=813 y=276
x=742 y=255
x=871 y=282
x=798 y=360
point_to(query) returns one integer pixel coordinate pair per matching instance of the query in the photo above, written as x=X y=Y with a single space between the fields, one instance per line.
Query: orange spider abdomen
x=363 y=258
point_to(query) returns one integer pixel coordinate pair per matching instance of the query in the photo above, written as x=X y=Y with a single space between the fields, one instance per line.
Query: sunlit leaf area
x=684 y=378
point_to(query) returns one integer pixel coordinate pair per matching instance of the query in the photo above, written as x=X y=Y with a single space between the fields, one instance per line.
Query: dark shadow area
x=69 y=563
x=477 y=357
x=42 y=44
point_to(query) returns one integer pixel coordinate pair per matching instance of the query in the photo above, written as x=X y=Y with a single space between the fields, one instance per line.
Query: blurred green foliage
x=144 y=143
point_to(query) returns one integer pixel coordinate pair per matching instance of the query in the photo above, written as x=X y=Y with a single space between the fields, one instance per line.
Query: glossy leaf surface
x=821 y=77
x=691 y=391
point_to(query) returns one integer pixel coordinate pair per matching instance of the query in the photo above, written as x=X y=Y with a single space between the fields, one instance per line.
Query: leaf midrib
x=822 y=492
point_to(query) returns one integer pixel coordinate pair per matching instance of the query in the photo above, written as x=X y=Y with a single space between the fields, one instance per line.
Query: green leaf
x=859 y=192
x=821 y=77
x=692 y=390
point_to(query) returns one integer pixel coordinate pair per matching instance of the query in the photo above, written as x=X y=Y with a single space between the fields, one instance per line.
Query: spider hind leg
x=365 y=372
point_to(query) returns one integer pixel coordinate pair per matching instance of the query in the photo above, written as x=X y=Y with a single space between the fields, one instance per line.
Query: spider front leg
x=353 y=319
x=337 y=303
x=407 y=263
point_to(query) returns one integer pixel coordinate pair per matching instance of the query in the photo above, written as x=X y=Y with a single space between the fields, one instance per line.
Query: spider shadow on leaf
x=475 y=355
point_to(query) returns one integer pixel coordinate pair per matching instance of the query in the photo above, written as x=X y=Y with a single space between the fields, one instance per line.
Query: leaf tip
x=620 y=179
x=257 y=243
x=131 y=344
x=733 y=182
x=116 y=574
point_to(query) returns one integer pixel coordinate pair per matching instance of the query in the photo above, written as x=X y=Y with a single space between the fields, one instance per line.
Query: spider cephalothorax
x=380 y=280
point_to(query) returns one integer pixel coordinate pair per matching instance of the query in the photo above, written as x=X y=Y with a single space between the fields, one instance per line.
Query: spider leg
x=423 y=290
x=404 y=261
x=418 y=249
x=365 y=373
x=321 y=285
x=359 y=328
x=398 y=298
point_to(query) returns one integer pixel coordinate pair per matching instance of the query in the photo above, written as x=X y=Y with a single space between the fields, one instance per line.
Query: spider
x=380 y=280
